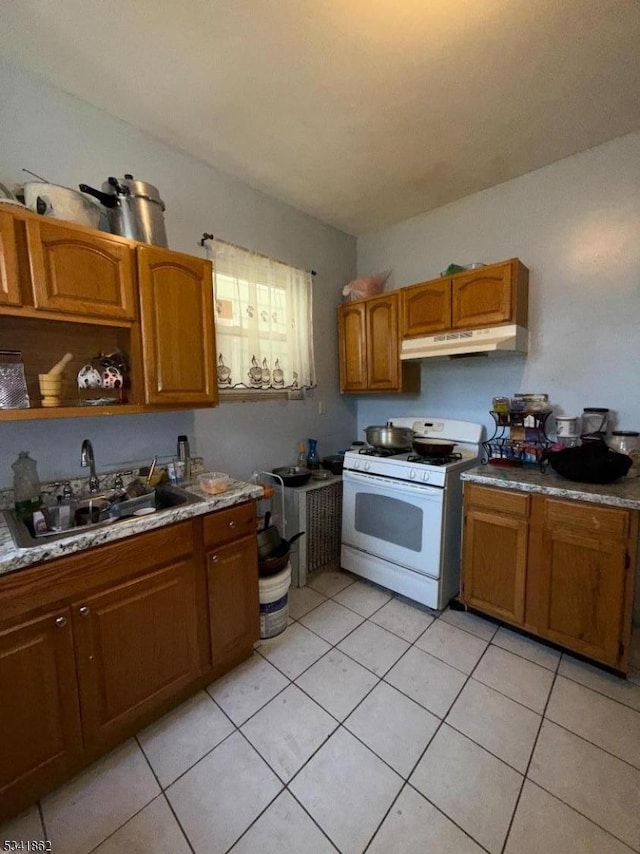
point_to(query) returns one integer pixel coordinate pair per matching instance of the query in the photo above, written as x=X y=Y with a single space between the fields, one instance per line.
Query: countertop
x=12 y=558
x=624 y=492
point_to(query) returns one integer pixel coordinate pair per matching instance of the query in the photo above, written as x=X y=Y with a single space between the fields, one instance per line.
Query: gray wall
x=576 y=226
x=68 y=141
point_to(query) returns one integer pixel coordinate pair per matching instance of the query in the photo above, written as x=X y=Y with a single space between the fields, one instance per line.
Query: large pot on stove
x=389 y=437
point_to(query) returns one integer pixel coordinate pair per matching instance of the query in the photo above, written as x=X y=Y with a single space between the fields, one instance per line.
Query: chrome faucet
x=87 y=459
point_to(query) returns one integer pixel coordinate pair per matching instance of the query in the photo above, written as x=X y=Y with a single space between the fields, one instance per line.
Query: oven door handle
x=404 y=487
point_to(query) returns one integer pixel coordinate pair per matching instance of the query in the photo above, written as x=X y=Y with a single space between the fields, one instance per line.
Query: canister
x=624 y=441
x=594 y=421
x=567 y=426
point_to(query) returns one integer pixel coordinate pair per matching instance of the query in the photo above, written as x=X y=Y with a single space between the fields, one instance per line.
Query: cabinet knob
x=61 y=621
x=215 y=558
x=83 y=610
x=232 y=524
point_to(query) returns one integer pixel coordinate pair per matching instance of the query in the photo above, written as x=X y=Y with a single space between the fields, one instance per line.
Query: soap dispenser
x=26 y=484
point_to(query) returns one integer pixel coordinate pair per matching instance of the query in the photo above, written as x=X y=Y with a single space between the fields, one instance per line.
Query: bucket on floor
x=274 y=603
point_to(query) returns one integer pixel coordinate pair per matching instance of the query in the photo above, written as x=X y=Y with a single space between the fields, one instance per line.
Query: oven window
x=389 y=519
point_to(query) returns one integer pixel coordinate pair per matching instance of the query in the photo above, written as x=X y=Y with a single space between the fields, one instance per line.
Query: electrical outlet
x=321 y=407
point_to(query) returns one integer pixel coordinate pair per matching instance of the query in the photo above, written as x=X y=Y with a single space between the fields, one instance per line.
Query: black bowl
x=293 y=475
x=333 y=463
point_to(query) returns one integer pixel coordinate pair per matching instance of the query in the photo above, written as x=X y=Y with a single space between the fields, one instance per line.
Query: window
x=263 y=318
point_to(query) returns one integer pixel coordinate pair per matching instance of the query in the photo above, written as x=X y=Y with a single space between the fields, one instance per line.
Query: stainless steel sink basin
x=166 y=498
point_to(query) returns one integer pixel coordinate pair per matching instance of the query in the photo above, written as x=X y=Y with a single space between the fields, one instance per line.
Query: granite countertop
x=12 y=558
x=624 y=492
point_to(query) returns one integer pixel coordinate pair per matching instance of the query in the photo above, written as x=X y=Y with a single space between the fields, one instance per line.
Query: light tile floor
x=375 y=725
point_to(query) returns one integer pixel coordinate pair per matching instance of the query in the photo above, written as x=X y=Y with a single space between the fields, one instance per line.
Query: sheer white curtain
x=263 y=316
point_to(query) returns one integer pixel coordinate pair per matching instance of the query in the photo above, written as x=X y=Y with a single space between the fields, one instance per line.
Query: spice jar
x=594 y=421
x=624 y=441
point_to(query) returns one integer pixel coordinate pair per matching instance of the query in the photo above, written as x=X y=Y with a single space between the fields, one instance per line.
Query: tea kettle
x=134 y=209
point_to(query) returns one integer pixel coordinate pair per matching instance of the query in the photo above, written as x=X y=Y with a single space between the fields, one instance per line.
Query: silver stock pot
x=391 y=438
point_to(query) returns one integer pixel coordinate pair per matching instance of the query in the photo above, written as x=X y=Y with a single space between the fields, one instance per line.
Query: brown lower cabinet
x=96 y=645
x=560 y=569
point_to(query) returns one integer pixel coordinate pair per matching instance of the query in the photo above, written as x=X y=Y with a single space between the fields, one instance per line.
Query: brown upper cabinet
x=68 y=288
x=176 y=309
x=488 y=296
x=370 y=347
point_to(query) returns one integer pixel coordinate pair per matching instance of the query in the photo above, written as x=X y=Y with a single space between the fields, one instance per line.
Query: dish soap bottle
x=313 y=460
x=26 y=484
x=301 y=460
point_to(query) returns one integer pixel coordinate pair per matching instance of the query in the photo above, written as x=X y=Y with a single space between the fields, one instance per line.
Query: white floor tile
x=302 y=600
x=25 y=827
x=522 y=680
x=247 y=688
x=598 y=679
x=294 y=650
x=176 y=741
x=502 y=726
x=222 y=795
x=458 y=648
x=610 y=725
x=347 y=790
x=284 y=827
x=83 y=812
x=331 y=621
x=543 y=823
x=601 y=787
x=329 y=581
x=393 y=726
x=414 y=825
x=362 y=598
x=337 y=683
x=374 y=647
x=527 y=648
x=288 y=730
x=476 y=790
x=405 y=620
x=153 y=829
x=484 y=629
x=427 y=680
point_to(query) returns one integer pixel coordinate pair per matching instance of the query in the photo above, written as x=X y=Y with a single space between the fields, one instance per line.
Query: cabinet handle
x=232 y=524
x=215 y=558
x=61 y=622
x=83 y=610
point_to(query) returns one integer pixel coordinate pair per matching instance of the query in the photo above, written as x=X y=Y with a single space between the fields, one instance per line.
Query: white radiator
x=316 y=509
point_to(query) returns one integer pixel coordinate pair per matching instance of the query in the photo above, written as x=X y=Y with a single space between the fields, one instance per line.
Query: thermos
x=184 y=455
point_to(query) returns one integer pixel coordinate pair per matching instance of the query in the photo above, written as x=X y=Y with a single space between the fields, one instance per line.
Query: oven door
x=394 y=520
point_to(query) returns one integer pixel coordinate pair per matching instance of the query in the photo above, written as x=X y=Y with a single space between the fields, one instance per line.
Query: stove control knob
x=412 y=474
x=425 y=475
x=367 y=466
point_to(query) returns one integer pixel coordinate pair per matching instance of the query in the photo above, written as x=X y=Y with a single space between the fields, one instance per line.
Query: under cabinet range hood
x=493 y=341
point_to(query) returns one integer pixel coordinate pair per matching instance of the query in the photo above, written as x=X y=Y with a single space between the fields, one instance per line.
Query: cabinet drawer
x=592 y=518
x=502 y=500
x=226 y=525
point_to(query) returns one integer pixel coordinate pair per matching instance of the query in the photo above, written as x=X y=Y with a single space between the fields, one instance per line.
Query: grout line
x=42 y=821
x=124 y=823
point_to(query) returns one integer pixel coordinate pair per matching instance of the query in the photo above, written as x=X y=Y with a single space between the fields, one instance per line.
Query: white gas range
x=402 y=513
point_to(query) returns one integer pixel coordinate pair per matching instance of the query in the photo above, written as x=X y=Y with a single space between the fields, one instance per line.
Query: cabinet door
x=234 y=607
x=76 y=272
x=39 y=712
x=494 y=563
x=578 y=577
x=353 y=346
x=178 y=344
x=383 y=359
x=426 y=308
x=9 y=272
x=136 y=647
x=482 y=297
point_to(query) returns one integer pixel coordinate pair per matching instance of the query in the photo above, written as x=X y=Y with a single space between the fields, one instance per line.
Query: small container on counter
x=624 y=441
x=594 y=421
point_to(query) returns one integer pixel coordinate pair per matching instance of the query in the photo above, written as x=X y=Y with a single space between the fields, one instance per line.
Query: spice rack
x=519 y=438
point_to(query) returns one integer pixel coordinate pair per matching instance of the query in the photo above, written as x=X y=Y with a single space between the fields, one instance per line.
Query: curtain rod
x=206 y=236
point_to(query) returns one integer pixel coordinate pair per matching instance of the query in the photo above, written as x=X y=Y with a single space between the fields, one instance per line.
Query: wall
x=576 y=226
x=67 y=141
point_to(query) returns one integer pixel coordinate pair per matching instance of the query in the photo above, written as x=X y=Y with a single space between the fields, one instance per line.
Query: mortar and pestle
x=51 y=383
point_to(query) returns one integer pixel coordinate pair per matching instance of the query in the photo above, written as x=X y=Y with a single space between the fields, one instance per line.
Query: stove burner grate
x=441 y=460
x=379 y=452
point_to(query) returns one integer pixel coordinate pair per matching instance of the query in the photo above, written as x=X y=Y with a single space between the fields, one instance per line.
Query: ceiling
x=360 y=112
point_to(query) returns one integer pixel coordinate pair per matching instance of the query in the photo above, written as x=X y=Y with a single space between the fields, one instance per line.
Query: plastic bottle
x=313 y=460
x=26 y=484
x=302 y=456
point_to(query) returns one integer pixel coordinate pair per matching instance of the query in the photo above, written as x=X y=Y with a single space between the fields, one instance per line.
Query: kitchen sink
x=166 y=498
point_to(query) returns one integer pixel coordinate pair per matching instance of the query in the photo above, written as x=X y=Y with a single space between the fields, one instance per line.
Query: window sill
x=248 y=395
